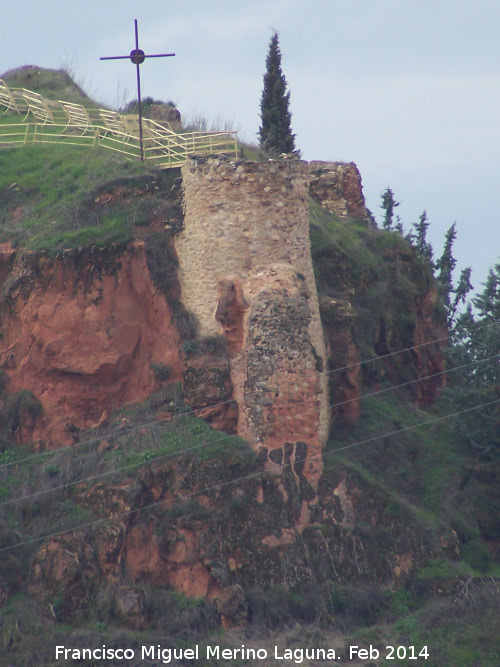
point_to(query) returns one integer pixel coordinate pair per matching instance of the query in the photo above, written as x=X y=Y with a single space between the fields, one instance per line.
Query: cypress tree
x=275 y=133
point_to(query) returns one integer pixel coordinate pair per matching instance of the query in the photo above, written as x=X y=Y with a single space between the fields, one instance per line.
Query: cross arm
x=151 y=55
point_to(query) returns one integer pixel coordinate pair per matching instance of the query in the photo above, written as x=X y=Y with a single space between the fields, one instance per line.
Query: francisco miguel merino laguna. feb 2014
x=210 y=652
x=297 y=655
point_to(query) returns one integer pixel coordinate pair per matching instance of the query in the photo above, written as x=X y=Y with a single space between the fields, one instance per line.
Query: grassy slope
x=48 y=197
x=52 y=84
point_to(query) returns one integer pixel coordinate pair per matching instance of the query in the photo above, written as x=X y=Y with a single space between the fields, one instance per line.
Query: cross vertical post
x=138 y=61
x=137 y=57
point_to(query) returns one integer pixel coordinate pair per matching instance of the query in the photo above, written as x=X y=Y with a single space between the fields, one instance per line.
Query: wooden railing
x=35 y=120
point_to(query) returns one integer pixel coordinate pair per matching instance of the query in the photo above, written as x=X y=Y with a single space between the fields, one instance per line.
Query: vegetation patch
x=48 y=194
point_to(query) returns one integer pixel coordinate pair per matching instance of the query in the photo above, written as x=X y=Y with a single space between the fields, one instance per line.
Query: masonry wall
x=245 y=270
x=337 y=187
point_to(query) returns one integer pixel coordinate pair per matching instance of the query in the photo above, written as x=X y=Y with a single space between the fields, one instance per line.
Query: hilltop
x=52 y=84
x=167 y=338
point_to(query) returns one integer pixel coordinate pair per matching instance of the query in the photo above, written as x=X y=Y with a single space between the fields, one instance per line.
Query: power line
x=228 y=437
x=408 y=349
x=409 y=428
x=426 y=377
x=216 y=405
x=243 y=478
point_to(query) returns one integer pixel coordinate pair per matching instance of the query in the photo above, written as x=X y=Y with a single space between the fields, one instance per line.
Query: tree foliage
x=419 y=239
x=388 y=205
x=275 y=133
x=474 y=335
x=445 y=266
x=452 y=295
x=476 y=342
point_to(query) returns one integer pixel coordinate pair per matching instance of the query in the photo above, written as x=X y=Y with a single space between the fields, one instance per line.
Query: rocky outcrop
x=337 y=187
x=205 y=535
x=208 y=390
x=384 y=309
x=83 y=332
x=345 y=372
x=411 y=320
x=429 y=359
x=165 y=113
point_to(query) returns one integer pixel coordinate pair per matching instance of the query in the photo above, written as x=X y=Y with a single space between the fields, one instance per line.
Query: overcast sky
x=407 y=89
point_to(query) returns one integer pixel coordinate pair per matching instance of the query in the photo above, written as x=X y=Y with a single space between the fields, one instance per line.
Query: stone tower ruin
x=246 y=272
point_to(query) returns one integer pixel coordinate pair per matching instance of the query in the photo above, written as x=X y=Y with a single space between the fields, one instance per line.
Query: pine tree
x=461 y=290
x=419 y=240
x=476 y=338
x=275 y=133
x=388 y=205
x=446 y=265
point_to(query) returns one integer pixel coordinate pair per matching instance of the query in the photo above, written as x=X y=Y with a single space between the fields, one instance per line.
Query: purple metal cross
x=137 y=57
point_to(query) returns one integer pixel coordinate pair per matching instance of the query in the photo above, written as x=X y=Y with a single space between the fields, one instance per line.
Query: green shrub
x=186 y=322
x=214 y=345
x=21 y=406
x=161 y=371
x=190 y=347
x=477 y=555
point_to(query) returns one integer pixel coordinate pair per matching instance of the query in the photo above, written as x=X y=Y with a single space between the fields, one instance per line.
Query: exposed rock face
x=245 y=271
x=164 y=113
x=208 y=390
x=410 y=321
x=231 y=309
x=339 y=319
x=389 y=305
x=81 y=332
x=337 y=187
x=232 y=607
x=221 y=542
x=429 y=359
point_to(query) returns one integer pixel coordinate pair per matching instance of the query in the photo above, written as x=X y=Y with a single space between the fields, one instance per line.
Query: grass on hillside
x=134 y=439
x=42 y=495
x=52 y=84
x=462 y=633
x=47 y=197
x=45 y=190
x=448 y=605
x=424 y=468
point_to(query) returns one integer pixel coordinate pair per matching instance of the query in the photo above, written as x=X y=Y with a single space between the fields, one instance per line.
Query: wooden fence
x=29 y=118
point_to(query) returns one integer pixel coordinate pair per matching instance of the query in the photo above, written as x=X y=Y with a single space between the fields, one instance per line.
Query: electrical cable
x=228 y=437
x=241 y=479
x=408 y=349
x=426 y=377
x=194 y=410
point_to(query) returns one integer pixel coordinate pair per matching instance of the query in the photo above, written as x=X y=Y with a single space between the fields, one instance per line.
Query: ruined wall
x=245 y=270
x=337 y=187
